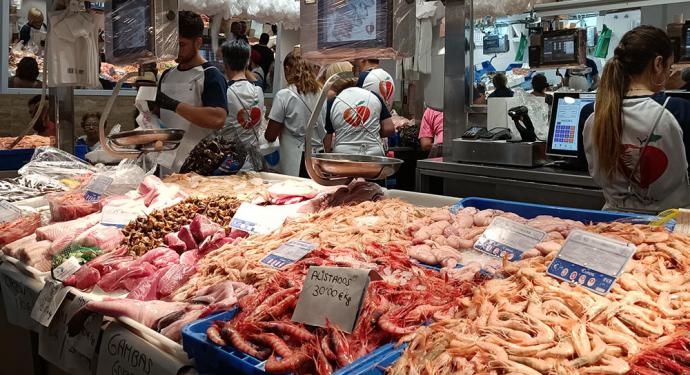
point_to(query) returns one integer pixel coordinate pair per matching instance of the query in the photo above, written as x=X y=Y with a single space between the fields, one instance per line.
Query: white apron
x=357 y=134
x=185 y=87
x=292 y=143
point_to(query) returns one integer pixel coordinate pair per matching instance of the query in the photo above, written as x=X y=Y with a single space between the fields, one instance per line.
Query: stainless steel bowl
x=357 y=166
x=145 y=137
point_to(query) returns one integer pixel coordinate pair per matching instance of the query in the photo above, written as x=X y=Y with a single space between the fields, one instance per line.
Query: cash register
x=564 y=145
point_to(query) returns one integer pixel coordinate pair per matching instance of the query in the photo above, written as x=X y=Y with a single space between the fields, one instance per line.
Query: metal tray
x=144 y=137
x=358 y=166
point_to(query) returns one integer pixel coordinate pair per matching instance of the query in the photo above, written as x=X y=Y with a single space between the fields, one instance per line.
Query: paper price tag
x=9 y=212
x=288 y=253
x=258 y=219
x=97 y=187
x=505 y=237
x=591 y=260
x=123 y=352
x=19 y=299
x=66 y=269
x=120 y=216
x=48 y=302
x=334 y=294
x=86 y=340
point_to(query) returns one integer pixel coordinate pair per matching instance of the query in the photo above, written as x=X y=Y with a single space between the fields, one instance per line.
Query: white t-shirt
x=293 y=110
x=246 y=111
x=660 y=180
x=379 y=82
x=355 y=115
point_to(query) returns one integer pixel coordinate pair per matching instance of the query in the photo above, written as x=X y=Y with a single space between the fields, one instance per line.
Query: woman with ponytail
x=290 y=114
x=635 y=137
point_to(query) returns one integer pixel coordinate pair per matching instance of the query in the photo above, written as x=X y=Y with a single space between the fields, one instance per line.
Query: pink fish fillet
x=202 y=227
x=145 y=312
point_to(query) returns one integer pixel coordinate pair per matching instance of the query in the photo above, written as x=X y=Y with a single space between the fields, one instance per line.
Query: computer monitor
x=685 y=43
x=564 y=124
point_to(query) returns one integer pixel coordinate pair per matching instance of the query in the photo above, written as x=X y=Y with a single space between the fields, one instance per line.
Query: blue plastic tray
x=15 y=159
x=529 y=211
x=215 y=359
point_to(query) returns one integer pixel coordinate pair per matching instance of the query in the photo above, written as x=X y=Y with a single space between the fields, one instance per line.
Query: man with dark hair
x=266 y=54
x=193 y=95
x=375 y=79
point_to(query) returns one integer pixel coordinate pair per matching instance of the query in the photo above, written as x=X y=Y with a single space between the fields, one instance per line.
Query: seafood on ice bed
x=179 y=256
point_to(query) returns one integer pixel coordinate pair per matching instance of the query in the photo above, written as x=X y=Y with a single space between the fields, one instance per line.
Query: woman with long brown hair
x=290 y=112
x=635 y=137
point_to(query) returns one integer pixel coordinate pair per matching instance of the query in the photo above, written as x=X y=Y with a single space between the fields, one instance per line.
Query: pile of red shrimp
x=395 y=306
x=668 y=358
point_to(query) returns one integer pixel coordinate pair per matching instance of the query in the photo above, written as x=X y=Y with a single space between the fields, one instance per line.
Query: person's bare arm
x=426 y=143
x=273 y=130
x=205 y=117
x=328 y=143
x=387 y=128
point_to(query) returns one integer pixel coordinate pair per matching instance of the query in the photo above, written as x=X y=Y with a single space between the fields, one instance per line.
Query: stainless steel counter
x=544 y=185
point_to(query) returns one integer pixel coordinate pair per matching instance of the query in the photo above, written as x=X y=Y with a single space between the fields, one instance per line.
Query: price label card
x=288 y=253
x=66 y=269
x=48 y=302
x=120 y=216
x=334 y=294
x=51 y=339
x=505 y=237
x=19 y=297
x=9 y=212
x=259 y=219
x=123 y=352
x=591 y=260
x=97 y=187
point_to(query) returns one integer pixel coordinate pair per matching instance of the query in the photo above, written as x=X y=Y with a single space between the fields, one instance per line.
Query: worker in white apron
x=245 y=103
x=290 y=112
x=191 y=96
x=376 y=80
x=359 y=119
x=637 y=146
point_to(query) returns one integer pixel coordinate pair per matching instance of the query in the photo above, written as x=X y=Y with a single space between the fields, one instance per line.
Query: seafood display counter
x=197 y=274
x=541 y=185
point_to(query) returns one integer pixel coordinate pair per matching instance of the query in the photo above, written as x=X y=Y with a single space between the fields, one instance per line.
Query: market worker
x=292 y=107
x=43 y=126
x=245 y=101
x=635 y=137
x=376 y=80
x=501 y=89
x=89 y=124
x=192 y=95
x=333 y=69
x=431 y=131
x=359 y=118
x=582 y=79
x=34 y=26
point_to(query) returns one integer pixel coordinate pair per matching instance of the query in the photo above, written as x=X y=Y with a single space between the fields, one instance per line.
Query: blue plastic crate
x=15 y=159
x=375 y=363
x=529 y=211
x=215 y=359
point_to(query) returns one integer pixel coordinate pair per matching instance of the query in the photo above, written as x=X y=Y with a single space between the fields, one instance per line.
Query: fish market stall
x=195 y=272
